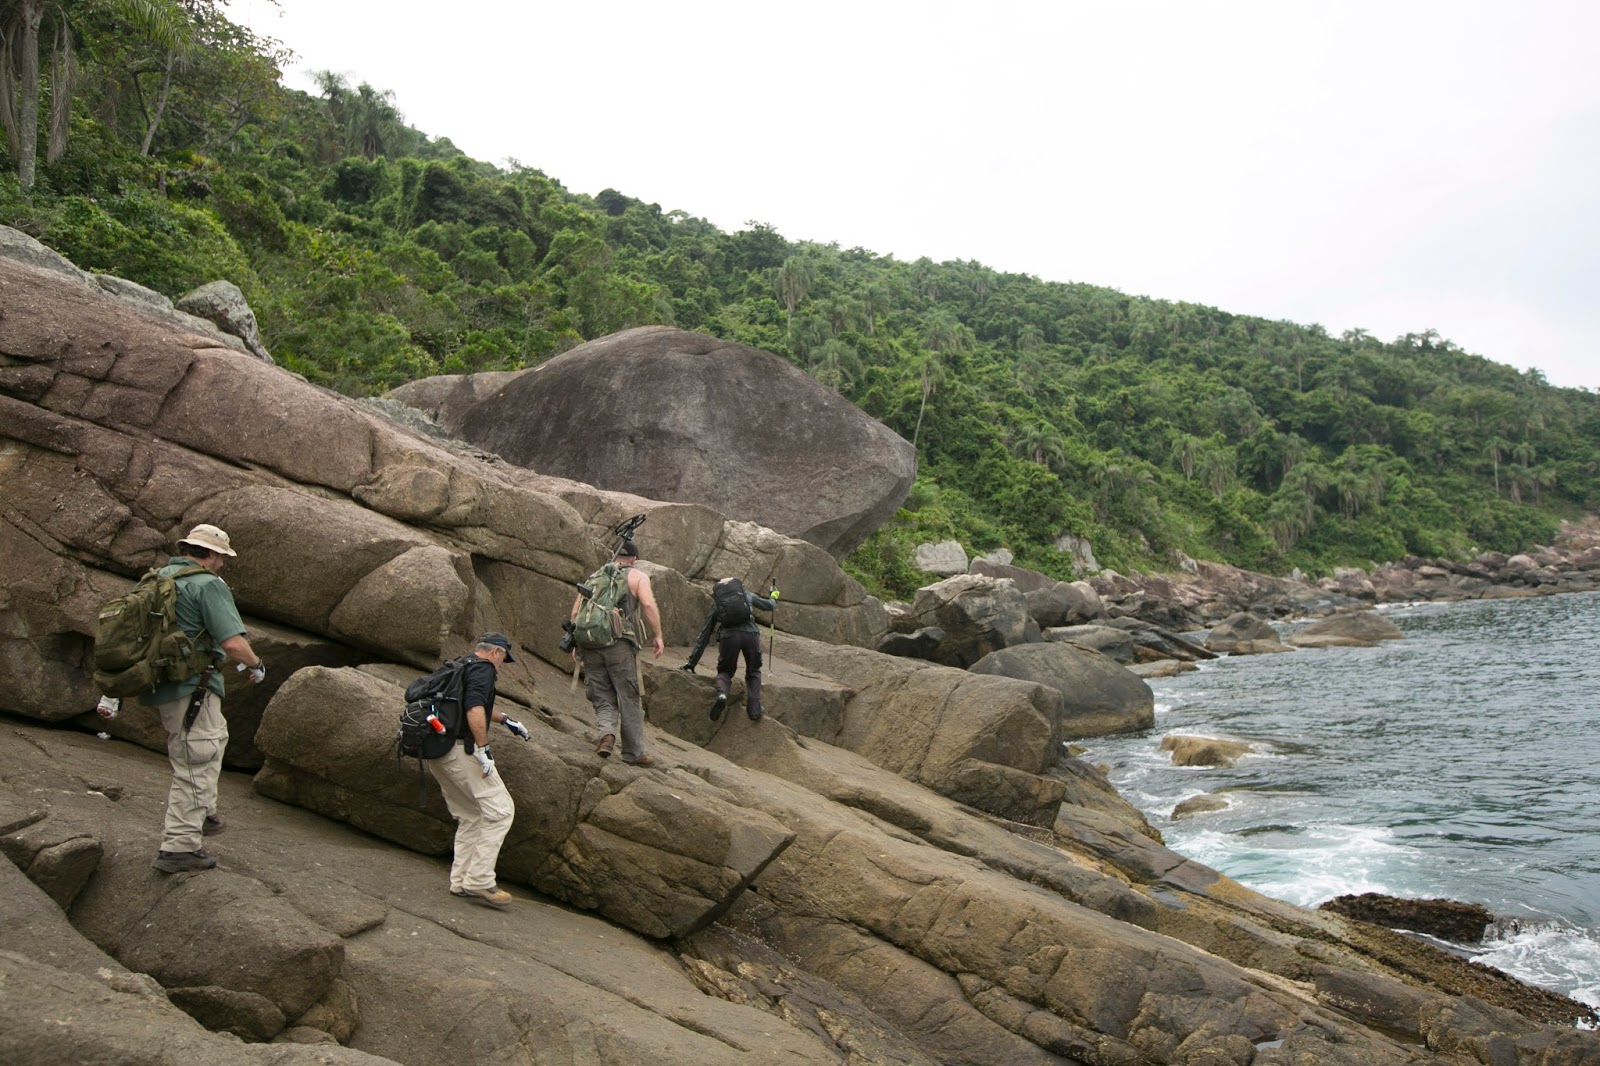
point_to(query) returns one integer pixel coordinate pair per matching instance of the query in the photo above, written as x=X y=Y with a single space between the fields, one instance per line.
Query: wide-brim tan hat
x=210 y=537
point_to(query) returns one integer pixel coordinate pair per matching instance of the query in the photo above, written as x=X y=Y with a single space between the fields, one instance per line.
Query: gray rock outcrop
x=222 y=304
x=977 y=614
x=1244 y=634
x=1097 y=695
x=944 y=559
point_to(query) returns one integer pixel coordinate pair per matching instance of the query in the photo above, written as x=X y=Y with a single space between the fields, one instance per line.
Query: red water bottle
x=438 y=726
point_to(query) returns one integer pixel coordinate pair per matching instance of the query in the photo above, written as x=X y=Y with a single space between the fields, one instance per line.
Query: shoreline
x=1203 y=593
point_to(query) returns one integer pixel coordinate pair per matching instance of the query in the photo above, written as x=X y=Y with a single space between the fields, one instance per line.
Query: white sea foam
x=1304 y=865
x=1548 y=954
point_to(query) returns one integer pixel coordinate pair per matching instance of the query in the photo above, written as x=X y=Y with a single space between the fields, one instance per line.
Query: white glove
x=258 y=672
x=481 y=753
x=516 y=727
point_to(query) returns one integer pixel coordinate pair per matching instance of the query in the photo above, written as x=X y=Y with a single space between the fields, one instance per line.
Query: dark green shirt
x=205 y=610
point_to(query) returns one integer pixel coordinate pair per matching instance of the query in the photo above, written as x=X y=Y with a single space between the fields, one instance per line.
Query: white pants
x=482 y=809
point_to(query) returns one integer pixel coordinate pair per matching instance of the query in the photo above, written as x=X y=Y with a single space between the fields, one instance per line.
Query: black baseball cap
x=628 y=547
x=499 y=640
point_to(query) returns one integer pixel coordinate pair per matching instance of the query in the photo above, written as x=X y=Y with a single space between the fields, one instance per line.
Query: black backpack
x=729 y=603
x=433 y=717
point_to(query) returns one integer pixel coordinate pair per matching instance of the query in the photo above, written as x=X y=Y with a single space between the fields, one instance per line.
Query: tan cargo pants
x=196 y=759
x=483 y=811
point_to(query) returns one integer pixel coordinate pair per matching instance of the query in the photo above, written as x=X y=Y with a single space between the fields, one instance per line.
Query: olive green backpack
x=138 y=643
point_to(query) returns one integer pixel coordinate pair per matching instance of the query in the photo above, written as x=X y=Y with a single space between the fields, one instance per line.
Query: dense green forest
x=153 y=139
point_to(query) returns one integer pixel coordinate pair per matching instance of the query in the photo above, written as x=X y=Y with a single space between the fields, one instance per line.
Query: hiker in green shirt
x=197 y=734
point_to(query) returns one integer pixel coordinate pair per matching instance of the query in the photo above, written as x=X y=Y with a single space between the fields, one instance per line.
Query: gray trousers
x=611 y=680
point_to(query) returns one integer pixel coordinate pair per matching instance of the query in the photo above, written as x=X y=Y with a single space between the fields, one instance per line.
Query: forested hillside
x=153 y=139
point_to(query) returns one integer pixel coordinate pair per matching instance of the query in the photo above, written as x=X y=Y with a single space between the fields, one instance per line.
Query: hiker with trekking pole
x=733 y=618
x=613 y=616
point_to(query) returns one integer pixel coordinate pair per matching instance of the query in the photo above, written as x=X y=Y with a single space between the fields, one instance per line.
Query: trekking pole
x=772 y=624
x=623 y=531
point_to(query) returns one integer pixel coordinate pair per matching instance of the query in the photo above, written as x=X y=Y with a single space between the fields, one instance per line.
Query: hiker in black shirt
x=737 y=635
x=473 y=790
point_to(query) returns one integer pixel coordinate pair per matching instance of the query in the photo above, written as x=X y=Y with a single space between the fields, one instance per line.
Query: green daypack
x=599 y=623
x=138 y=643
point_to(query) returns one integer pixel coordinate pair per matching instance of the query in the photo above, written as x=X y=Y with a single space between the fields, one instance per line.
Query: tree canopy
x=374 y=254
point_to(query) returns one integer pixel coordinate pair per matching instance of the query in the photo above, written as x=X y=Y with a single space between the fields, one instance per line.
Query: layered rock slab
x=662 y=858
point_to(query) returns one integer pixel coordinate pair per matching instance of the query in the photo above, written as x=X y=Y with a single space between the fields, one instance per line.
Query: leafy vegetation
x=374 y=255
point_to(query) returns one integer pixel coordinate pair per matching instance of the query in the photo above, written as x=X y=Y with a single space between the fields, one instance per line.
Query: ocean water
x=1461 y=762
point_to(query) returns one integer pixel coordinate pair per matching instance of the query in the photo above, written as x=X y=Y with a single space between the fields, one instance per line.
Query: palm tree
x=1309 y=480
x=1496 y=451
x=22 y=22
x=1217 y=464
x=1353 y=487
x=943 y=332
x=373 y=120
x=1285 y=519
x=795 y=279
x=842 y=312
x=930 y=373
x=1184 y=450
x=1543 y=477
x=1043 y=445
x=1028 y=372
x=807 y=333
x=1294 y=449
x=875 y=300
x=836 y=364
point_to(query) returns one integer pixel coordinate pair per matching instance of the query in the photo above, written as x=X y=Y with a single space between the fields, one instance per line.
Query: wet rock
x=1362 y=629
x=1204 y=751
x=1244 y=634
x=1447 y=919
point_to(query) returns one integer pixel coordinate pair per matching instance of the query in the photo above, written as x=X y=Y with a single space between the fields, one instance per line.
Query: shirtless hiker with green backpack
x=613 y=612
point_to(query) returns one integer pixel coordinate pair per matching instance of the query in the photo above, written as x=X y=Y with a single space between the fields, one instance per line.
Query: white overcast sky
x=1394 y=166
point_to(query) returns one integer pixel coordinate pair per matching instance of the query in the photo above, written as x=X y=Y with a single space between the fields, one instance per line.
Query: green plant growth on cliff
x=374 y=254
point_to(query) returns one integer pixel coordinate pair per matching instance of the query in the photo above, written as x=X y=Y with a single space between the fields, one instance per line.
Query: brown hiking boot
x=605 y=746
x=177 y=862
x=643 y=760
x=213 y=825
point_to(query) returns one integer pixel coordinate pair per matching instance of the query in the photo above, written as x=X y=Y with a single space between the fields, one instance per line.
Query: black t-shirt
x=477 y=689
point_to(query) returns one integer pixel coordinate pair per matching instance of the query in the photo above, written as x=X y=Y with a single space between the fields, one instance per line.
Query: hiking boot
x=605 y=746
x=643 y=760
x=497 y=898
x=717 y=705
x=754 y=713
x=213 y=825
x=177 y=862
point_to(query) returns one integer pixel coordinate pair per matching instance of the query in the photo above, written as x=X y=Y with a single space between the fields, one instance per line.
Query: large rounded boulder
x=1359 y=629
x=1243 y=633
x=679 y=416
x=1098 y=697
